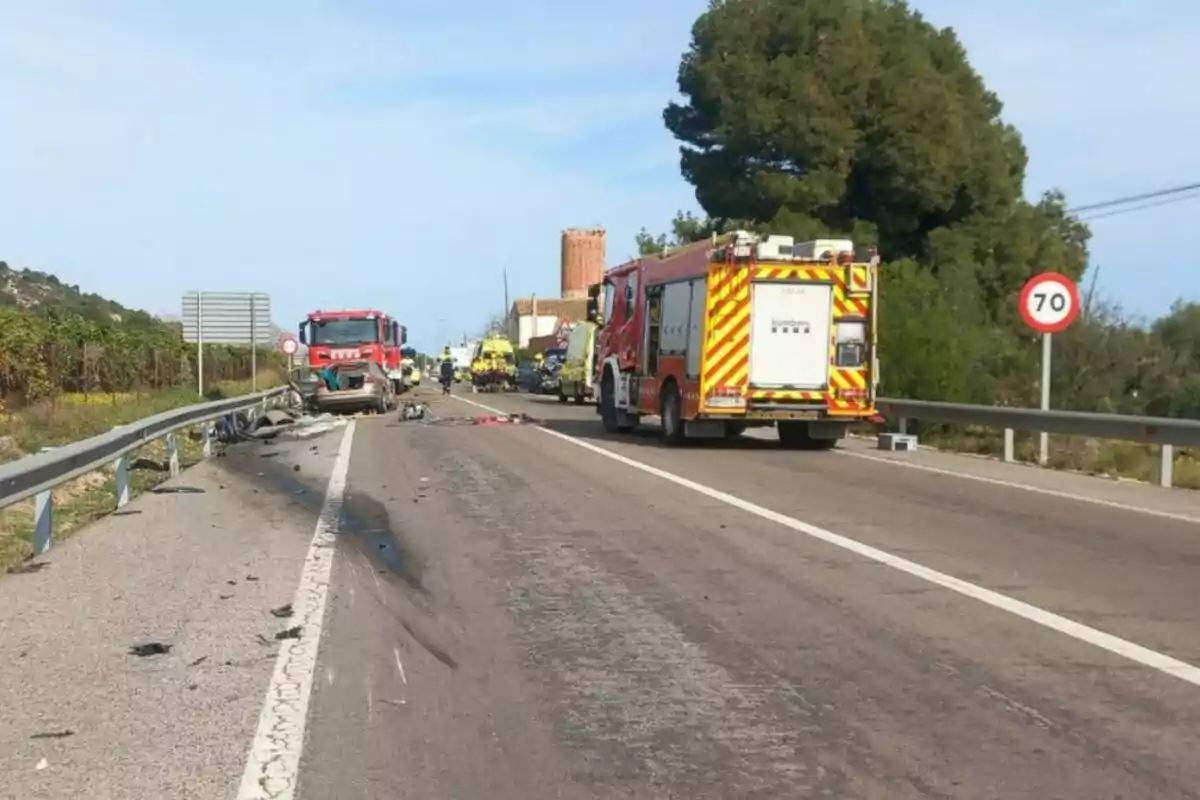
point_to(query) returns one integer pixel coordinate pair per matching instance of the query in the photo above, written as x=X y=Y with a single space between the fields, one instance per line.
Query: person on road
x=447 y=375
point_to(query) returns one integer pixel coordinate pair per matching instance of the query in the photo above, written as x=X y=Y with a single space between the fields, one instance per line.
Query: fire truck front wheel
x=671 y=407
x=611 y=417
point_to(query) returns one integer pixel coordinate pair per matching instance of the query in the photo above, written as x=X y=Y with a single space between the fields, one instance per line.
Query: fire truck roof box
x=822 y=248
x=775 y=248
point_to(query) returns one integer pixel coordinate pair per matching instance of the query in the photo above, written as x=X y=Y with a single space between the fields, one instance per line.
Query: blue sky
x=401 y=154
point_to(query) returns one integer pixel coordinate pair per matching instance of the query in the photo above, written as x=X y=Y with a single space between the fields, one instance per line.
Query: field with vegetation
x=901 y=145
x=73 y=365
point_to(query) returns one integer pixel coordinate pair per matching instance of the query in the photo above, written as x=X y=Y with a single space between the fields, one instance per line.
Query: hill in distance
x=32 y=290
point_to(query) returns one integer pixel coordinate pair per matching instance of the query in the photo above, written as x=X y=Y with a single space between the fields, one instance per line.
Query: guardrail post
x=1009 y=445
x=43 y=518
x=122 y=480
x=904 y=425
x=173 y=454
x=206 y=438
x=1166 y=469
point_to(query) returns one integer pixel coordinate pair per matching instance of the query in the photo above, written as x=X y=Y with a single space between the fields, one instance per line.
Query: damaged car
x=351 y=386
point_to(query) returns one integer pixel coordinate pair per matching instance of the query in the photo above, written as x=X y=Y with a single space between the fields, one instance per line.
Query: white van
x=575 y=377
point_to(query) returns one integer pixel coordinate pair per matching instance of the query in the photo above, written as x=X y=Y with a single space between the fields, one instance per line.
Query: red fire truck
x=333 y=336
x=741 y=331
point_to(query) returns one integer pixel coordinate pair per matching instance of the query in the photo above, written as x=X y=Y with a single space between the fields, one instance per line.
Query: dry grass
x=93 y=495
x=1100 y=457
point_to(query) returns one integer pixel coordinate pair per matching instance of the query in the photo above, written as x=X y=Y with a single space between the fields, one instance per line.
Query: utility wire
x=1121 y=201
x=1161 y=202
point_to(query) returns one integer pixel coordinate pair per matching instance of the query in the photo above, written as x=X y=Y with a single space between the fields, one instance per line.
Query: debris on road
x=198 y=661
x=413 y=410
x=254 y=425
x=506 y=419
x=149 y=649
x=63 y=734
x=282 y=611
x=28 y=568
x=290 y=633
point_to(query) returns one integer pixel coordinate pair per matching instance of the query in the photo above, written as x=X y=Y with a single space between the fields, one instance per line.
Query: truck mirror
x=403 y=334
x=302 y=329
x=396 y=333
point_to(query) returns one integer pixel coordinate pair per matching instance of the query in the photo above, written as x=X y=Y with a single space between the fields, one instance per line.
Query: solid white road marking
x=1083 y=633
x=273 y=763
x=400 y=665
x=1025 y=487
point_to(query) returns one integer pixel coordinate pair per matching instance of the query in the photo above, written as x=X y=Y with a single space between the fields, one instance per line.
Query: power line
x=1161 y=202
x=1121 y=201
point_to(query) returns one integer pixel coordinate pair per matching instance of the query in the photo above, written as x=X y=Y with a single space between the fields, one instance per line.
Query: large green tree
x=859 y=117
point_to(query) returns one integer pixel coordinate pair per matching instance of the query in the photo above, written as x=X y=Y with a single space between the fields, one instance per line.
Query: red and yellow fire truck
x=333 y=336
x=740 y=331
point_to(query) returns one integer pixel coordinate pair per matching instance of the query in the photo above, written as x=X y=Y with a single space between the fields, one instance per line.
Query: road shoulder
x=197 y=565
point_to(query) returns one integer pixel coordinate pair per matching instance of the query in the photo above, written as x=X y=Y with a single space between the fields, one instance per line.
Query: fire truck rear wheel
x=671 y=407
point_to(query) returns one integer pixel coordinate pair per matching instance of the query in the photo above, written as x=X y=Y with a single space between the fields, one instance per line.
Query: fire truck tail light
x=726 y=397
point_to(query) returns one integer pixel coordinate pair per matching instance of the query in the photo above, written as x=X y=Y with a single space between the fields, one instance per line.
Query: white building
x=533 y=316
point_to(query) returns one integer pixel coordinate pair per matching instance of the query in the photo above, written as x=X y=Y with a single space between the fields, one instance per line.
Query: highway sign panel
x=1049 y=302
x=235 y=318
x=288 y=344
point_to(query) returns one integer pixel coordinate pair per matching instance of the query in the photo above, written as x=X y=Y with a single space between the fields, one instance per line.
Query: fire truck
x=737 y=332
x=333 y=336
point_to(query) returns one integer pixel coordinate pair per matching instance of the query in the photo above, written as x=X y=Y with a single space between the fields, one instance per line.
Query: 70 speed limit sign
x=1049 y=302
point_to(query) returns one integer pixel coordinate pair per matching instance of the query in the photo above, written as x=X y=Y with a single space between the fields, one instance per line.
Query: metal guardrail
x=36 y=475
x=1167 y=433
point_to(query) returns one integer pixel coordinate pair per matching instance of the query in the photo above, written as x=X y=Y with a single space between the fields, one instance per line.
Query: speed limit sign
x=1049 y=302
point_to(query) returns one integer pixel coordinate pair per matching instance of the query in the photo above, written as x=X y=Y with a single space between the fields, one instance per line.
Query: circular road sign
x=1049 y=302
x=288 y=344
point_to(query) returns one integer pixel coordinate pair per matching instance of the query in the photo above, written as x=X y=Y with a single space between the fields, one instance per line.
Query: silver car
x=361 y=385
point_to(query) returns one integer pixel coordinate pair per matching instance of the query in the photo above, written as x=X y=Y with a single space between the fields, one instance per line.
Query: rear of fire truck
x=791 y=337
x=754 y=331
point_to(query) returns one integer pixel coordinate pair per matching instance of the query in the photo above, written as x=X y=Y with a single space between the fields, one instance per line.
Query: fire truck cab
x=357 y=335
x=741 y=331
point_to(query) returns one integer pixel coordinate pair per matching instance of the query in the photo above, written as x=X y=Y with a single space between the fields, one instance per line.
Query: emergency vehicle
x=355 y=335
x=494 y=364
x=740 y=331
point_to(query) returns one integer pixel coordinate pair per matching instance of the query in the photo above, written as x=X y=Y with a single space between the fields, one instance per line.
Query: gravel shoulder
x=196 y=565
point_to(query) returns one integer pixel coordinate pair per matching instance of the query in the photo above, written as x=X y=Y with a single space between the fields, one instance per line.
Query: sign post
x=1049 y=304
x=288 y=345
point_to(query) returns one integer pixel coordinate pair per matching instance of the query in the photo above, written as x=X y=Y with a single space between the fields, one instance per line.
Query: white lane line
x=1105 y=641
x=1025 y=487
x=400 y=665
x=273 y=763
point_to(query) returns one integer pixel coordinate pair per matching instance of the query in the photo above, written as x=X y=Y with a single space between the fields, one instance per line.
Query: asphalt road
x=544 y=611
x=519 y=616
